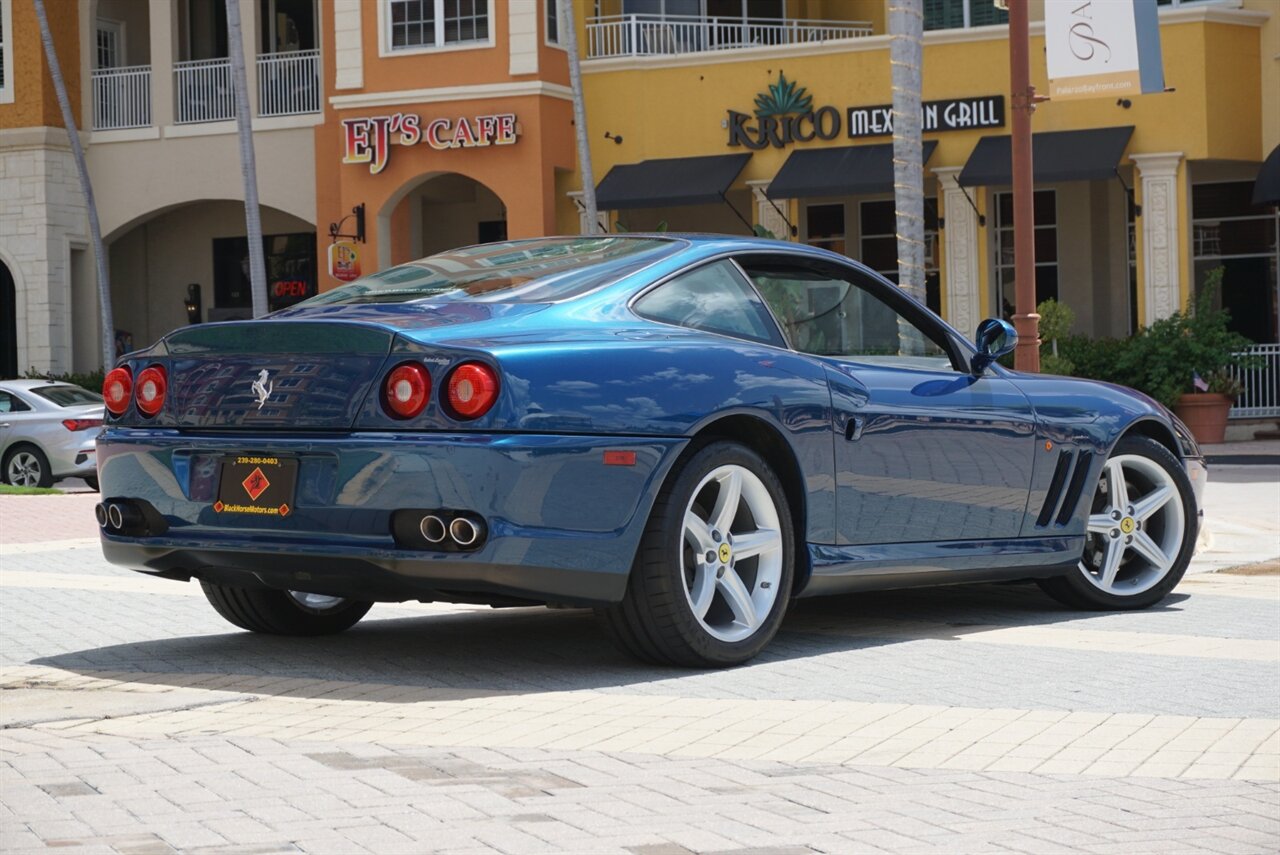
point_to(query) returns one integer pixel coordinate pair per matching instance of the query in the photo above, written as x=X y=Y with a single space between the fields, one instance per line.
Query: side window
x=714 y=298
x=829 y=311
x=12 y=404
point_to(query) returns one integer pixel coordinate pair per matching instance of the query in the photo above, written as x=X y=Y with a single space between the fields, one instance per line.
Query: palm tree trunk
x=77 y=152
x=906 y=58
x=570 y=38
x=248 y=165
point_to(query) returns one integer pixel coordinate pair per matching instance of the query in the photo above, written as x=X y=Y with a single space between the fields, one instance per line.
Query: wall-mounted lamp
x=616 y=139
x=1124 y=102
x=357 y=213
x=193 y=303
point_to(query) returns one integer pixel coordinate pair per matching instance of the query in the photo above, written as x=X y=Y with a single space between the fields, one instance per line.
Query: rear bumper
x=76 y=459
x=561 y=526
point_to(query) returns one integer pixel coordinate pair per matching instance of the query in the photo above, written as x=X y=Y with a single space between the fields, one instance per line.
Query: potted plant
x=1184 y=361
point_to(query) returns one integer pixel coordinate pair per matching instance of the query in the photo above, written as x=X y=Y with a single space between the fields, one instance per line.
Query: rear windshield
x=68 y=396
x=529 y=271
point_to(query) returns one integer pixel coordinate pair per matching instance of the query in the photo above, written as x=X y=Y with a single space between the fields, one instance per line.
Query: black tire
x=1075 y=588
x=92 y=483
x=278 y=613
x=39 y=464
x=656 y=622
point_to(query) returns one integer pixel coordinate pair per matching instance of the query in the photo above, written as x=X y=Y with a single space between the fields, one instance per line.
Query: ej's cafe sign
x=369 y=140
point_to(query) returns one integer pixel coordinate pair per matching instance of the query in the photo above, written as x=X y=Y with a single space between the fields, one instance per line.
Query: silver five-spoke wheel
x=1139 y=532
x=732 y=557
x=713 y=575
x=26 y=469
x=1136 y=527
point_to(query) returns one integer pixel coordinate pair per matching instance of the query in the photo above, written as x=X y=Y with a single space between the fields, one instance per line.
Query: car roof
x=34 y=383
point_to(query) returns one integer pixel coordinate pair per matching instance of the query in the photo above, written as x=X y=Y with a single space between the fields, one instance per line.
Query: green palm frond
x=782 y=98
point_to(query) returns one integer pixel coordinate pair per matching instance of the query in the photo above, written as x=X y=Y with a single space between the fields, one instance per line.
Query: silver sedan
x=47 y=432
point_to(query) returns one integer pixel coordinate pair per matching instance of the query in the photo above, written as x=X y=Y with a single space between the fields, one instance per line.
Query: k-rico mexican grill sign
x=785 y=114
x=368 y=140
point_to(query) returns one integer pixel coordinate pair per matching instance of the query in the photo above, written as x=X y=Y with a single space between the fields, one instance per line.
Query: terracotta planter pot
x=1206 y=414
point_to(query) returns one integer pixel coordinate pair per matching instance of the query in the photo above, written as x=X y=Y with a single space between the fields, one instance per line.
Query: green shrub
x=91 y=380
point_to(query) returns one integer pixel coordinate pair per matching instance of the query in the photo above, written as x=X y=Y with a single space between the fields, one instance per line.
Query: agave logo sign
x=784 y=114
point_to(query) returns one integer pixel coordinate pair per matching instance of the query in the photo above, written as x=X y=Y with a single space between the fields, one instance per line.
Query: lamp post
x=1026 y=321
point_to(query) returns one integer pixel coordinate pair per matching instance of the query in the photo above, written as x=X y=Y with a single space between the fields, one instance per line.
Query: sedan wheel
x=1140 y=532
x=283 y=612
x=713 y=574
x=26 y=466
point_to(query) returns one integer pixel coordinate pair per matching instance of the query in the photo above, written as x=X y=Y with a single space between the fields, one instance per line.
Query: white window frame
x=117 y=29
x=384 y=33
x=6 y=42
x=553 y=7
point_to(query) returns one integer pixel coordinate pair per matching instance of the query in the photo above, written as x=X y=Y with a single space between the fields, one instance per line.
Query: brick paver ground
x=985 y=719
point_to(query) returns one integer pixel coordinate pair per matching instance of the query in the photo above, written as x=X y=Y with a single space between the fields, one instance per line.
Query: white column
x=584 y=224
x=767 y=214
x=1161 y=247
x=164 y=47
x=960 y=274
x=348 y=50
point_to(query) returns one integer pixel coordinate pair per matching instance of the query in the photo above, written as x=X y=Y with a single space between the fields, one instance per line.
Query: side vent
x=1084 y=462
x=1051 y=498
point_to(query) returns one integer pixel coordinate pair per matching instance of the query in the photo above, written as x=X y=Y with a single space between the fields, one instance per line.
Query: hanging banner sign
x=369 y=140
x=1102 y=48
x=344 y=261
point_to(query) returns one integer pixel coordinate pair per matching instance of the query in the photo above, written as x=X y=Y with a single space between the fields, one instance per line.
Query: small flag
x=1198 y=382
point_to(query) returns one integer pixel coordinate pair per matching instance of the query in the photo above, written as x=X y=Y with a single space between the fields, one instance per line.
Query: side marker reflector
x=619 y=458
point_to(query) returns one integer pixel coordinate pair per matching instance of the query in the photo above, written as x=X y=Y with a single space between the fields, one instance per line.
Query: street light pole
x=1026 y=321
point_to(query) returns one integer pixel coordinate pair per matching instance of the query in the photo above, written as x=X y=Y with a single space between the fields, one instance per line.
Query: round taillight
x=117 y=388
x=473 y=389
x=150 y=389
x=406 y=390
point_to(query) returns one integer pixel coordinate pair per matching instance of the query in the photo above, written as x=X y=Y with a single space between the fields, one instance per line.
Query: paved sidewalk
x=976 y=719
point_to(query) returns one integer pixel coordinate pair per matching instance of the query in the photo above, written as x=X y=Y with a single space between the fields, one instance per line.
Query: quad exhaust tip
x=115 y=515
x=100 y=513
x=432 y=528
x=464 y=531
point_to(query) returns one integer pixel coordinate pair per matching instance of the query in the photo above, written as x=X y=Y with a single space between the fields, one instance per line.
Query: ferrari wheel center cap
x=1127 y=525
x=725 y=553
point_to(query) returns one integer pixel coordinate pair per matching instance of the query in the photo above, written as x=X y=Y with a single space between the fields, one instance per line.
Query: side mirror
x=994 y=339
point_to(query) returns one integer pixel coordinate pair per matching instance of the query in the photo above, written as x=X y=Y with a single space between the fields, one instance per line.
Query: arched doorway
x=155 y=261
x=438 y=212
x=8 y=323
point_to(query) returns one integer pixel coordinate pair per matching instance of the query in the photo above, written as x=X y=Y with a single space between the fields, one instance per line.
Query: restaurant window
x=416 y=24
x=951 y=14
x=826 y=227
x=1230 y=232
x=553 y=21
x=1046 y=242
x=6 y=55
x=290 y=263
x=879 y=245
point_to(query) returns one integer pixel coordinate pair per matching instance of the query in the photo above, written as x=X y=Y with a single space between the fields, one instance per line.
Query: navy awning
x=1089 y=155
x=1266 y=190
x=851 y=170
x=669 y=182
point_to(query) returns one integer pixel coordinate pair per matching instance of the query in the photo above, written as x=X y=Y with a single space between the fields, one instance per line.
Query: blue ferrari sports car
x=682 y=432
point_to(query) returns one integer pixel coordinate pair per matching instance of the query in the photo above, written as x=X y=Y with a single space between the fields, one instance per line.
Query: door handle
x=853 y=427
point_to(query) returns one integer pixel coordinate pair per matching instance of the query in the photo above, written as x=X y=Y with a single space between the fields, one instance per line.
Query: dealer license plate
x=261 y=485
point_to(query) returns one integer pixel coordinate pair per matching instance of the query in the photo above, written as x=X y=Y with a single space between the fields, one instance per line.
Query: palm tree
x=570 y=37
x=906 y=58
x=248 y=166
x=77 y=152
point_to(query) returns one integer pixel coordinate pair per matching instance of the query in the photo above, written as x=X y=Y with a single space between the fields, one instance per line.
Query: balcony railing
x=1261 y=395
x=649 y=35
x=121 y=98
x=289 y=83
x=203 y=91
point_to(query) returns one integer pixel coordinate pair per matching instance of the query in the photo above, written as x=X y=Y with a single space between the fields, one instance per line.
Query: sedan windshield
x=68 y=396
x=528 y=271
